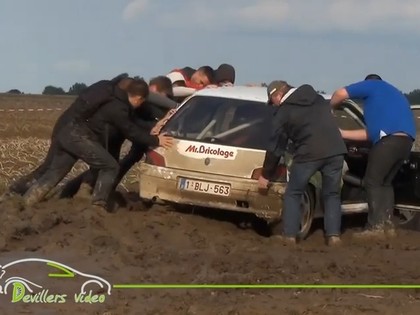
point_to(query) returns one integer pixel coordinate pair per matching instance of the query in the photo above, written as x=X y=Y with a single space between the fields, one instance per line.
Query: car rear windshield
x=232 y=122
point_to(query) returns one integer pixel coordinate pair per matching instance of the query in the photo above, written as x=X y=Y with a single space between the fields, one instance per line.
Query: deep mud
x=160 y=246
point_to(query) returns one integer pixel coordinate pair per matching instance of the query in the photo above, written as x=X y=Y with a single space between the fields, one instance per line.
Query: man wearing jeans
x=390 y=126
x=304 y=117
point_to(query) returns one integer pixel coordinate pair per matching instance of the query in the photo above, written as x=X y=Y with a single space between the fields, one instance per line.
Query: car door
x=407 y=181
x=349 y=116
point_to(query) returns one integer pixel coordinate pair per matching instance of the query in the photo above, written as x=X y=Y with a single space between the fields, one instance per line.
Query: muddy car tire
x=408 y=220
x=307 y=206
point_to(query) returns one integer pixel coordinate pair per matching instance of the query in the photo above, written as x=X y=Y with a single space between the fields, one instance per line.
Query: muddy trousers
x=90 y=176
x=21 y=185
x=300 y=174
x=77 y=144
x=385 y=159
x=128 y=161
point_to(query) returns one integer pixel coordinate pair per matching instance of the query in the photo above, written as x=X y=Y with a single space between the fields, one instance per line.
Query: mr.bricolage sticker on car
x=24 y=290
x=198 y=150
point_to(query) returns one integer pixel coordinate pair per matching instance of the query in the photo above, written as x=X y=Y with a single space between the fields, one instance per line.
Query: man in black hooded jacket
x=304 y=117
x=83 y=107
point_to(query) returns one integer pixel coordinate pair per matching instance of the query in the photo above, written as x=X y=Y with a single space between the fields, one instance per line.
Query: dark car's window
x=346 y=119
x=224 y=121
x=416 y=112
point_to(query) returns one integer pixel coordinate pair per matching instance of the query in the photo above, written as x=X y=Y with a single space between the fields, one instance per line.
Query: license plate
x=204 y=187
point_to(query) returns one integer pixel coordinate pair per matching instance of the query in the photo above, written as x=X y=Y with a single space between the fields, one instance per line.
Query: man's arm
x=180 y=91
x=119 y=116
x=161 y=101
x=277 y=147
x=359 y=90
x=272 y=158
x=145 y=124
x=98 y=93
x=339 y=96
x=357 y=135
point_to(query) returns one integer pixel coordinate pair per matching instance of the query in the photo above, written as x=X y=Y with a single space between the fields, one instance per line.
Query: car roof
x=249 y=93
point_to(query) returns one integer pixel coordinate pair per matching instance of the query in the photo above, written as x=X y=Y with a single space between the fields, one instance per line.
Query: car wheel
x=307 y=207
x=409 y=220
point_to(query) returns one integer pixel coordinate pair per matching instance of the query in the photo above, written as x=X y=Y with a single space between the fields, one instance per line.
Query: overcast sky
x=327 y=43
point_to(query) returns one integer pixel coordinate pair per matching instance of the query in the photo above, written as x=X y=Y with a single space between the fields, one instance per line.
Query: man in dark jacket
x=304 y=117
x=84 y=139
x=149 y=116
x=83 y=107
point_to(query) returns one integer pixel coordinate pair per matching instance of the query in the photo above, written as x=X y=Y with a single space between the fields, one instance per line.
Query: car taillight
x=154 y=158
x=281 y=173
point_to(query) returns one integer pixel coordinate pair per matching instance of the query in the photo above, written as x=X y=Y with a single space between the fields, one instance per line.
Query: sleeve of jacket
x=121 y=119
x=161 y=101
x=98 y=93
x=277 y=145
x=145 y=124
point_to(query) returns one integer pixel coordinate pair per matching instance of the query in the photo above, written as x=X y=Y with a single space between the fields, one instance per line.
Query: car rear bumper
x=161 y=183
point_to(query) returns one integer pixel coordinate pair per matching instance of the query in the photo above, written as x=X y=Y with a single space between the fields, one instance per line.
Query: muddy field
x=136 y=245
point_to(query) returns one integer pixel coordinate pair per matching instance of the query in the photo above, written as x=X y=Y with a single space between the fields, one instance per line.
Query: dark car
x=406 y=183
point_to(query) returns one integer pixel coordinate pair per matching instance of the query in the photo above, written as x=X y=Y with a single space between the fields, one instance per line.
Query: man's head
x=276 y=90
x=137 y=91
x=161 y=85
x=124 y=83
x=225 y=73
x=373 y=77
x=203 y=76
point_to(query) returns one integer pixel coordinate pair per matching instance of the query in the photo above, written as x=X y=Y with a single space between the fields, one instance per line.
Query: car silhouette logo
x=62 y=271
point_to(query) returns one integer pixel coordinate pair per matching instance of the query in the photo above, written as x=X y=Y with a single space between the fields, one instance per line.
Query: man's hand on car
x=165 y=141
x=159 y=125
x=263 y=182
x=157 y=128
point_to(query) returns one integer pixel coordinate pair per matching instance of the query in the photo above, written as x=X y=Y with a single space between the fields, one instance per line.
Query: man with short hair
x=149 y=116
x=83 y=107
x=304 y=117
x=390 y=126
x=191 y=78
x=84 y=139
x=187 y=80
x=224 y=75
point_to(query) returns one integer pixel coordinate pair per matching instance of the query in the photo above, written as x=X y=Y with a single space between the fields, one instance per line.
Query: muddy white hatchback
x=221 y=137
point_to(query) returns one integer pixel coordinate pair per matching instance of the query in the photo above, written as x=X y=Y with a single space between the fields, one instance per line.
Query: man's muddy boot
x=20 y=187
x=100 y=207
x=35 y=195
x=333 y=241
x=285 y=240
x=370 y=234
x=390 y=229
x=7 y=195
x=85 y=191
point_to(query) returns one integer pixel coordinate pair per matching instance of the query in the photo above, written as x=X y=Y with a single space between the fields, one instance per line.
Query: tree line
x=75 y=89
x=413 y=96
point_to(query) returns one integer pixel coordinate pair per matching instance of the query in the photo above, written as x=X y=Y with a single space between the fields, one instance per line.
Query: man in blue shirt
x=391 y=128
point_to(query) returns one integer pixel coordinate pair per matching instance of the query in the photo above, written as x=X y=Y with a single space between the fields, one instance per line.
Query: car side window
x=347 y=119
x=416 y=113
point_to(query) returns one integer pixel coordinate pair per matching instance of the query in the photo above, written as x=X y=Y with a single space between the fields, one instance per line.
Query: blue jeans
x=300 y=173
